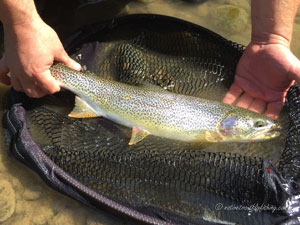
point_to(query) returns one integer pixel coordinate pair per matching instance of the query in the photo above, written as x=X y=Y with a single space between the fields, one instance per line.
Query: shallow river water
x=25 y=199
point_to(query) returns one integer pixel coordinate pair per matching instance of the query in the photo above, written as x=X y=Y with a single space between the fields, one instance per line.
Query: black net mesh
x=158 y=180
x=290 y=161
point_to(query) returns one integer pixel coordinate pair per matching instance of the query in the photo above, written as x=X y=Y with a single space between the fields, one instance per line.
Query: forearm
x=17 y=12
x=272 y=20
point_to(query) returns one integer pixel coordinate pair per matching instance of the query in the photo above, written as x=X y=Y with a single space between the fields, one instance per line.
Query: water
x=25 y=199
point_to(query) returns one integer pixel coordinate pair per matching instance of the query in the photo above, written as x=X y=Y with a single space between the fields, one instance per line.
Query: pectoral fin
x=137 y=135
x=82 y=109
x=212 y=136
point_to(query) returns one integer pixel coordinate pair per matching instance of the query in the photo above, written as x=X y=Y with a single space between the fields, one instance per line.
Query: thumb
x=69 y=62
x=47 y=82
x=4 y=71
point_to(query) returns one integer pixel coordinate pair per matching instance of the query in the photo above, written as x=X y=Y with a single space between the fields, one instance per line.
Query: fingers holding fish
x=30 y=51
x=46 y=82
x=236 y=96
x=233 y=94
x=63 y=57
x=244 y=101
x=273 y=109
x=258 y=106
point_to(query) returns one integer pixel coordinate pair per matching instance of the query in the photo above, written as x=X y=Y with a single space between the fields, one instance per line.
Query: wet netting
x=158 y=181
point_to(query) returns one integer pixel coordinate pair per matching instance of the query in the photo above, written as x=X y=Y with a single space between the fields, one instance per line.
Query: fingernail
x=57 y=88
x=77 y=66
x=272 y=116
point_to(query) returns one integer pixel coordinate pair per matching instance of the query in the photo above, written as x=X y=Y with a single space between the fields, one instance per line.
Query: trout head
x=244 y=125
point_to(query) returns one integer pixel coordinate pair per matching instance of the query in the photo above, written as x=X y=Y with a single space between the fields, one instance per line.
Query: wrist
x=272 y=21
x=269 y=38
x=14 y=12
x=22 y=30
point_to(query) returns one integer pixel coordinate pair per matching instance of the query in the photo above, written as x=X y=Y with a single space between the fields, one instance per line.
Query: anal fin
x=137 y=135
x=82 y=109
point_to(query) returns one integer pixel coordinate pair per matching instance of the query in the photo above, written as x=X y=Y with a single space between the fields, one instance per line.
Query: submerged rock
x=17 y=220
x=43 y=215
x=195 y=1
x=103 y=219
x=230 y=19
x=32 y=194
x=68 y=216
x=37 y=212
x=7 y=200
x=245 y=4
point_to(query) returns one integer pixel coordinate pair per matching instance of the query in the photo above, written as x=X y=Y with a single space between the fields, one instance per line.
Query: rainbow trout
x=162 y=113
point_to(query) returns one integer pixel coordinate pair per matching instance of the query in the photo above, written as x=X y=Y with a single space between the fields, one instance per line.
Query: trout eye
x=259 y=123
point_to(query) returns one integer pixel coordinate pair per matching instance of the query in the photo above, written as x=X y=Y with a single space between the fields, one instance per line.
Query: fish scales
x=149 y=107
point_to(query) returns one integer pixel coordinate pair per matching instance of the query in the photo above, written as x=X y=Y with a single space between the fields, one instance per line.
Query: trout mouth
x=268 y=133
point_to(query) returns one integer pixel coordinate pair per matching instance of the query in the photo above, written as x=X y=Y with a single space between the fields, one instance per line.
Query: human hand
x=263 y=77
x=30 y=50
